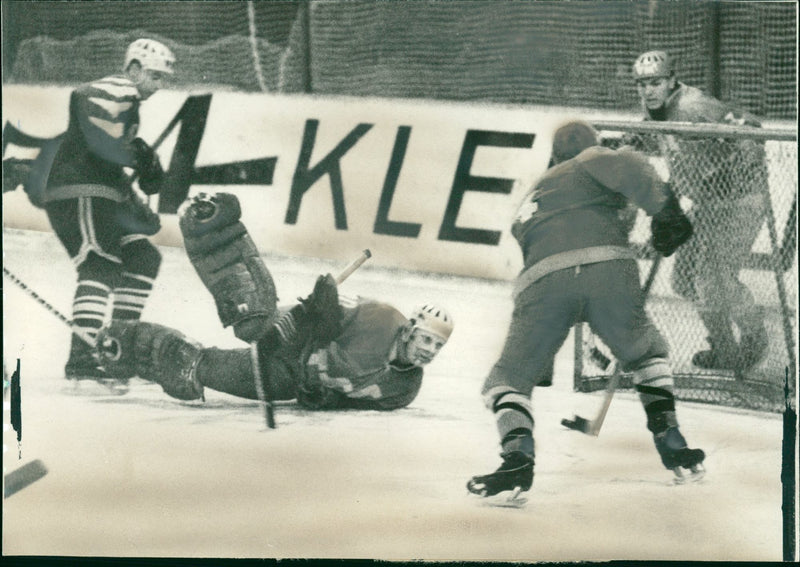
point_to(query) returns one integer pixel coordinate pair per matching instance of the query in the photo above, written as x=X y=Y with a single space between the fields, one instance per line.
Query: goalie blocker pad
x=228 y=263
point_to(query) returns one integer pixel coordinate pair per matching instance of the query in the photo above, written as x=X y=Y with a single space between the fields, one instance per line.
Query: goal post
x=718 y=171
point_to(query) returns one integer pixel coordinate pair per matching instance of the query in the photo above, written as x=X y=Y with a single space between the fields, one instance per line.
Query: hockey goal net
x=714 y=164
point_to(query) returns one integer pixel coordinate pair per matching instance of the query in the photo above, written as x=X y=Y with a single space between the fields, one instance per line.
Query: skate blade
x=696 y=474
x=94 y=387
x=506 y=499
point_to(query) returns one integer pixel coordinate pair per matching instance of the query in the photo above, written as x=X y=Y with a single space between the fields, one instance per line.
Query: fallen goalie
x=327 y=351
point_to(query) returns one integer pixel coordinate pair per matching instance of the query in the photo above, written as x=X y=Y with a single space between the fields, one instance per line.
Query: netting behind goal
x=741 y=193
x=548 y=53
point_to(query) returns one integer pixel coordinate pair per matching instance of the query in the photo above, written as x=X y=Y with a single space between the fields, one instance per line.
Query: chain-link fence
x=725 y=301
x=543 y=52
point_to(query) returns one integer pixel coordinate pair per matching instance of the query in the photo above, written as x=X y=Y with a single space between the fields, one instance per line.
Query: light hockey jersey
x=103 y=120
x=360 y=366
x=573 y=211
x=706 y=168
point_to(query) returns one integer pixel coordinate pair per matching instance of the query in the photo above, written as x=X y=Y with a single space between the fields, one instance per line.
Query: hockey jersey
x=360 y=368
x=705 y=168
x=103 y=120
x=572 y=215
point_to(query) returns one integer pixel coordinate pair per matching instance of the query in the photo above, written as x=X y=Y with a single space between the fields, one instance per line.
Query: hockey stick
x=263 y=395
x=160 y=140
x=592 y=427
x=354 y=265
x=77 y=331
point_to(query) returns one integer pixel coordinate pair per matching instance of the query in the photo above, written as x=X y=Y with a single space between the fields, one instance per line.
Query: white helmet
x=653 y=64
x=150 y=54
x=432 y=319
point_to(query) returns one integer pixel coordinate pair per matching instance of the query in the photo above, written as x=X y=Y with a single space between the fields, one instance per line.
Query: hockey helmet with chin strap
x=150 y=54
x=653 y=64
x=432 y=319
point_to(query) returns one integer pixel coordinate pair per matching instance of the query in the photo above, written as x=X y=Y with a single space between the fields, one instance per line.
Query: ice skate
x=677 y=456
x=721 y=356
x=753 y=349
x=87 y=376
x=504 y=486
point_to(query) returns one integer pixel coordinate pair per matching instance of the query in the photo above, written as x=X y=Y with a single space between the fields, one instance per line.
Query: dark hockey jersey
x=103 y=120
x=359 y=369
x=572 y=215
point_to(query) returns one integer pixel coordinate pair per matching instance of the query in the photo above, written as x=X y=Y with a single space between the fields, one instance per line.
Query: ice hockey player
x=328 y=352
x=579 y=267
x=91 y=205
x=726 y=180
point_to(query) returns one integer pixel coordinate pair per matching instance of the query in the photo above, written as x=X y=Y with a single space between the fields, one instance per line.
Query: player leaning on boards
x=90 y=202
x=579 y=267
x=726 y=181
x=328 y=352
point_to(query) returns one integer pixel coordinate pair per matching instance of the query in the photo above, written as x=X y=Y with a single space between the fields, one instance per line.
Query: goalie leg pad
x=208 y=213
x=228 y=263
x=153 y=352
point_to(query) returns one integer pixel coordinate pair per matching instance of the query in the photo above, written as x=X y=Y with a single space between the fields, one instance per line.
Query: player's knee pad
x=141 y=257
x=152 y=352
x=228 y=263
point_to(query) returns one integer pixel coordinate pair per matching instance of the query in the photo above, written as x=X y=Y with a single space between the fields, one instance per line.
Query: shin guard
x=152 y=352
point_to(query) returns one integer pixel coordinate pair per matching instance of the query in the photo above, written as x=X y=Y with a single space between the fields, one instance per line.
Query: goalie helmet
x=432 y=319
x=572 y=138
x=653 y=64
x=150 y=54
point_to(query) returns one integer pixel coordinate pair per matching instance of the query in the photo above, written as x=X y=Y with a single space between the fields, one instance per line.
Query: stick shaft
x=354 y=265
x=262 y=384
x=613 y=382
x=80 y=333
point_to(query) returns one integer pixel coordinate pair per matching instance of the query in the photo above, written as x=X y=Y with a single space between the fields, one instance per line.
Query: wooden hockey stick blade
x=354 y=265
x=578 y=424
x=24 y=476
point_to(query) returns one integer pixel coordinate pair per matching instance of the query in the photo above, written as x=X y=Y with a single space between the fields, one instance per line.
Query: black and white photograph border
x=412 y=130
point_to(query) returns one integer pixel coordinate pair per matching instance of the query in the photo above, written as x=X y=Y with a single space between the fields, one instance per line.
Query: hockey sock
x=514 y=417
x=130 y=296
x=655 y=385
x=89 y=306
x=141 y=261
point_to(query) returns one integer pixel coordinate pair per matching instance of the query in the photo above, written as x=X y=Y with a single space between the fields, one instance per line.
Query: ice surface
x=146 y=475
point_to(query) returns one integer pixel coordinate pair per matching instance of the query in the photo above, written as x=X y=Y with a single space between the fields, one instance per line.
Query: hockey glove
x=670 y=227
x=323 y=309
x=147 y=166
x=316 y=319
x=318 y=397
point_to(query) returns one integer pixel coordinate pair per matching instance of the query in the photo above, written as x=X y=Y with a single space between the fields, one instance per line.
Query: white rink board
x=249 y=126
